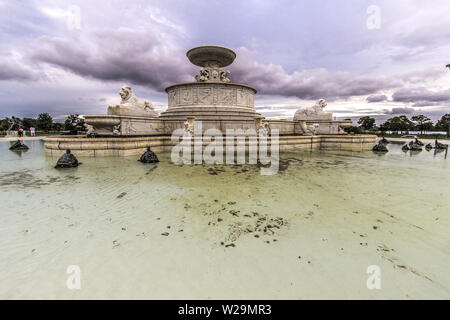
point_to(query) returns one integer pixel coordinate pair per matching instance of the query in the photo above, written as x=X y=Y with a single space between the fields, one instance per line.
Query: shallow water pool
x=219 y=232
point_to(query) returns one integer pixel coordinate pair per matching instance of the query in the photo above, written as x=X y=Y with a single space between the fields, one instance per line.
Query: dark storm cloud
x=127 y=55
x=376 y=98
x=139 y=58
x=306 y=84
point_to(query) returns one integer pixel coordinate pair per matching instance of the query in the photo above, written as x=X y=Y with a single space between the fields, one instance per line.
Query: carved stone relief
x=205 y=96
x=210 y=95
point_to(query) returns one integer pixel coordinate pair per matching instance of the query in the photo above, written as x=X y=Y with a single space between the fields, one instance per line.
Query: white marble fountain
x=214 y=100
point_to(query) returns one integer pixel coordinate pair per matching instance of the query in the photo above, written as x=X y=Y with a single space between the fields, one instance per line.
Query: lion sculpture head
x=125 y=93
x=321 y=104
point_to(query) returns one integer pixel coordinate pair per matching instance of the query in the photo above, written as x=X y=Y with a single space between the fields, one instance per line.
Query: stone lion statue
x=313 y=113
x=131 y=105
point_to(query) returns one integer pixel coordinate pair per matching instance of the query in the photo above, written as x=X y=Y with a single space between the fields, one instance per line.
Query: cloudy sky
x=378 y=58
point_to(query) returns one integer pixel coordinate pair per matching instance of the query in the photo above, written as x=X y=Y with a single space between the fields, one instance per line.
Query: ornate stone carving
x=212 y=74
x=210 y=94
x=225 y=96
x=116 y=129
x=263 y=129
x=313 y=113
x=173 y=98
x=308 y=129
x=242 y=98
x=131 y=105
x=203 y=75
x=90 y=131
x=186 y=96
x=189 y=126
x=224 y=76
x=128 y=128
x=205 y=96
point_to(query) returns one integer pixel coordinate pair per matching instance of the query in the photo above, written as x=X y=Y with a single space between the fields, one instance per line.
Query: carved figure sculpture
x=90 y=131
x=203 y=75
x=67 y=160
x=224 y=76
x=313 y=113
x=188 y=127
x=148 y=157
x=116 y=130
x=18 y=146
x=438 y=145
x=414 y=146
x=380 y=147
x=263 y=129
x=132 y=105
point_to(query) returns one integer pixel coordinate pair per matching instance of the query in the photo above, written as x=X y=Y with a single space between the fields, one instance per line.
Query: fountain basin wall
x=210 y=99
x=127 y=146
x=109 y=125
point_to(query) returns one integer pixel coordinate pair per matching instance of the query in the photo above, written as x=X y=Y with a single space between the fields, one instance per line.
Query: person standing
x=32 y=132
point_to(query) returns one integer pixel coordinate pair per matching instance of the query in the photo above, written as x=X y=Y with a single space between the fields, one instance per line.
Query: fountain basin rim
x=199 y=55
x=233 y=84
x=340 y=137
x=105 y=117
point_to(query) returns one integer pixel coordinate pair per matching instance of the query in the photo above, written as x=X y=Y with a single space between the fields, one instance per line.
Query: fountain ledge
x=129 y=146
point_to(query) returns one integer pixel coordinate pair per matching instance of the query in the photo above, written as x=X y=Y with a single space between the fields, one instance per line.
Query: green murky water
x=167 y=231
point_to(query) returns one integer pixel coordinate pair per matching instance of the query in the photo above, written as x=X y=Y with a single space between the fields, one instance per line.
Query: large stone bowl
x=211 y=56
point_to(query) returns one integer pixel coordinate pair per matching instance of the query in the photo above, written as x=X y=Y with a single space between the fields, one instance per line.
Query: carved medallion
x=205 y=96
x=242 y=97
x=173 y=98
x=186 y=96
x=225 y=96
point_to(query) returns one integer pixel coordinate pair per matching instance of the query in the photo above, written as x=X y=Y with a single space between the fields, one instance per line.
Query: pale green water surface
x=217 y=232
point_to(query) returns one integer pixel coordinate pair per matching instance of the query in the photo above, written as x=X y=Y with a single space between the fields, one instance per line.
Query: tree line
x=44 y=122
x=402 y=124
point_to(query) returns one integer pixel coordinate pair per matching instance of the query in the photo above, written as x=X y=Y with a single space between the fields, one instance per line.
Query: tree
x=353 y=129
x=444 y=124
x=56 y=126
x=366 y=122
x=396 y=124
x=44 y=122
x=4 y=124
x=28 y=123
x=422 y=123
